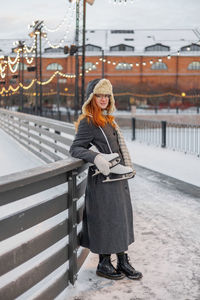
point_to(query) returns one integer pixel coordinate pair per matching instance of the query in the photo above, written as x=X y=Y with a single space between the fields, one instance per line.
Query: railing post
x=72 y=225
x=133 y=129
x=164 y=126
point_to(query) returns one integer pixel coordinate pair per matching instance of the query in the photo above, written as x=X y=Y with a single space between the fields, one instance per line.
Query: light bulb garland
x=11 y=88
x=114 y=63
x=70 y=10
x=13 y=62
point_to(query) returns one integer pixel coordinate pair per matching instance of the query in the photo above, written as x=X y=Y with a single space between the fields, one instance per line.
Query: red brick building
x=136 y=61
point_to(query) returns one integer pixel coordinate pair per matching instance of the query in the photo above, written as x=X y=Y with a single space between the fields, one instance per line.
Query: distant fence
x=52 y=113
x=41 y=212
x=181 y=137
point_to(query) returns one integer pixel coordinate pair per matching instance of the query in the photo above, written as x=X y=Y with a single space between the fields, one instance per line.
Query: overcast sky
x=16 y=15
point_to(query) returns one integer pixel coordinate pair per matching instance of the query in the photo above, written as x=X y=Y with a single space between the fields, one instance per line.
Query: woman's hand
x=102 y=164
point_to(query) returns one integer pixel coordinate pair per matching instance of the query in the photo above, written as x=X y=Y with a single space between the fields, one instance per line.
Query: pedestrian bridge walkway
x=166 y=250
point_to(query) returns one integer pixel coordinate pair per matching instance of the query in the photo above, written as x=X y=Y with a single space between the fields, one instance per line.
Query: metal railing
x=66 y=115
x=49 y=139
x=41 y=212
x=176 y=136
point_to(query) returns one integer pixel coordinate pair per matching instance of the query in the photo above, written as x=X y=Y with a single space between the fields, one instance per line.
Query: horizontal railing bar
x=35 y=275
x=80 y=188
x=47 y=133
x=42 y=140
x=41 y=148
x=168 y=123
x=148 y=121
x=19 y=179
x=30 y=217
x=19 y=137
x=27 y=250
x=37 y=153
x=38 y=138
x=31 y=189
x=57 y=125
x=55 y=289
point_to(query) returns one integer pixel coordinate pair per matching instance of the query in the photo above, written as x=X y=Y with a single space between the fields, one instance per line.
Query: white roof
x=141 y=38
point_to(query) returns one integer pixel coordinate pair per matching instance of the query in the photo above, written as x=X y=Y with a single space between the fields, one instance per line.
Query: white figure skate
x=123 y=173
x=113 y=159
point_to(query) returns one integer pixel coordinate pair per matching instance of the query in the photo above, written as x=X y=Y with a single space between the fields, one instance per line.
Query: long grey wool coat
x=107 y=217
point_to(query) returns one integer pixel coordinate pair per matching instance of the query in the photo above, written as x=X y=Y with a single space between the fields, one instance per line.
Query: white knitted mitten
x=102 y=164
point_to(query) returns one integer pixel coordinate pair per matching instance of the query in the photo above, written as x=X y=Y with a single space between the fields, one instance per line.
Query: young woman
x=107 y=218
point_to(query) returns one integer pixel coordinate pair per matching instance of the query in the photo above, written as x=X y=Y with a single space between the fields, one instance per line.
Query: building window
x=159 y=66
x=54 y=50
x=129 y=40
x=124 y=66
x=20 y=65
x=192 y=47
x=90 y=66
x=27 y=81
x=195 y=65
x=54 y=66
x=122 y=31
x=121 y=47
x=157 y=47
x=90 y=47
x=13 y=81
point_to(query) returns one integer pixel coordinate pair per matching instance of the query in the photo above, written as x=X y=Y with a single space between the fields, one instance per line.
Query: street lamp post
x=37 y=31
x=77 y=62
x=6 y=82
x=83 y=53
x=91 y=2
x=20 y=48
x=102 y=62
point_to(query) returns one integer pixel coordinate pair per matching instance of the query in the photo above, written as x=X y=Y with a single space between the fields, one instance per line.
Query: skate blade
x=124 y=177
x=113 y=163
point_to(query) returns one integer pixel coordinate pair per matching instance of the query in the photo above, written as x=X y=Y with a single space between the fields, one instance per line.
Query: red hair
x=94 y=114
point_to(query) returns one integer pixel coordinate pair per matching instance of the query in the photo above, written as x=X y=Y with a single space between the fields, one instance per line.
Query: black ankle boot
x=124 y=266
x=106 y=269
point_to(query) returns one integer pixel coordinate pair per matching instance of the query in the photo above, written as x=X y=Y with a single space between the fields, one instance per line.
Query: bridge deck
x=166 y=250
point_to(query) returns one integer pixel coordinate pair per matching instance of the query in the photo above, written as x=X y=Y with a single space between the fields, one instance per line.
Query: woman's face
x=102 y=100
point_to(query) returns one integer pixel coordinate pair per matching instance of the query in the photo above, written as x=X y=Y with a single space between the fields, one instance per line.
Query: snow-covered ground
x=166 y=221
x=176 y=164
x=166 y=249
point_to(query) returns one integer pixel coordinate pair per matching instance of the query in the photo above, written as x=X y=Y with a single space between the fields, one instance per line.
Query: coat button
x=114 y=133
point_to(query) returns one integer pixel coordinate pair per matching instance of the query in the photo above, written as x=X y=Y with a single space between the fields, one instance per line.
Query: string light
x=13 y=70
x=137 y=64
x=10 y=62
x=29 y=86
x=71 y=9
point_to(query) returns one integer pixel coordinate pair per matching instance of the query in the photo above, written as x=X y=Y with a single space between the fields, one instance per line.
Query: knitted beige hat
x=99 y=86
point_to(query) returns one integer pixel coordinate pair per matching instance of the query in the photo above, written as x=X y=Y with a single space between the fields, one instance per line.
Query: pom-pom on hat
x=99 y=86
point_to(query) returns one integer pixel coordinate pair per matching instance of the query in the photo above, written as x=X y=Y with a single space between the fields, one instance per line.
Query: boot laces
x=129 y=262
